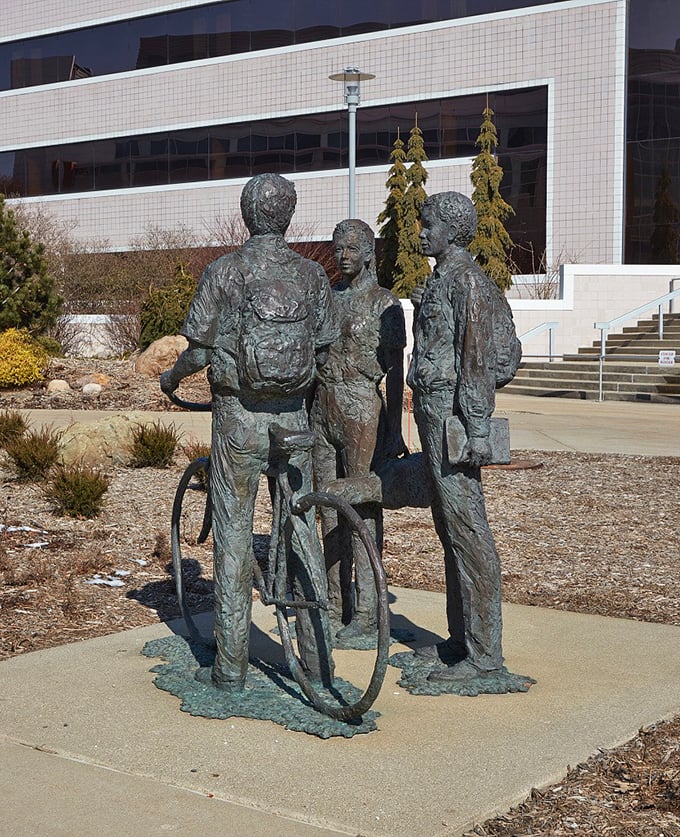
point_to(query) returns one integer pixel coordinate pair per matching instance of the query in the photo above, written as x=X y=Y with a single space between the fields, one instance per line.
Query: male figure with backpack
x=462 y=328
x=260 y=318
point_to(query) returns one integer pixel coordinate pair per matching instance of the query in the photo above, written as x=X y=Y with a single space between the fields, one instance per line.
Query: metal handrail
x=539 y=329
x=604 y=327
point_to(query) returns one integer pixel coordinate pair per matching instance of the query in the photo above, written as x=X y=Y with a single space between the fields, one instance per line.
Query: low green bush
x=33 y=455
x=165 y=308
x=153 y=445
x=12 y=426
x=77 y=491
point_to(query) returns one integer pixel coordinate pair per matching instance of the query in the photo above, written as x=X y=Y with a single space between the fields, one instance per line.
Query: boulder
x=58 y=385
x=102 y=442
x=94 y=378
x=160 y=355
x=93 y=390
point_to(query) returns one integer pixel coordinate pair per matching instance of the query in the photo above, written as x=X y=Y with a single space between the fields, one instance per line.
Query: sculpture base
x=363 y=642
x=270 y=694
x=369 y=642
x=415 y=670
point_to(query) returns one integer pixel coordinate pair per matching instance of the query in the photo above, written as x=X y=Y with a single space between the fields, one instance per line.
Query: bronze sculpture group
x=281 y=347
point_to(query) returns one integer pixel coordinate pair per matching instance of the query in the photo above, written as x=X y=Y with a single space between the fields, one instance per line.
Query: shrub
x=153 y=445
x=77 y=491
x=27 y=290
x=12 y=426
x=21 y=359
x=50 y=345
x=164 y=309
x=33 y=455
x=198 y=450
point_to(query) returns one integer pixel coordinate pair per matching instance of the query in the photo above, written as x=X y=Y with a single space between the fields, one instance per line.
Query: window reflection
x=313 y=142
x=225 y=28
x=653 y=132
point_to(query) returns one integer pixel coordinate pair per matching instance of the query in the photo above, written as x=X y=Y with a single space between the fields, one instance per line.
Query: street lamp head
x=352 y=78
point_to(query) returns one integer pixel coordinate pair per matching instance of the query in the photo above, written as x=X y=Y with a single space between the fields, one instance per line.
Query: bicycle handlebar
x=195 y=406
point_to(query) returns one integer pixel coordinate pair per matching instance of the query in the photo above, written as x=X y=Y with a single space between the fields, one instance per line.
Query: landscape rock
x=94 y=378
x=58 y=385
x=160 y=355
x=92 y=389
x=100 y=443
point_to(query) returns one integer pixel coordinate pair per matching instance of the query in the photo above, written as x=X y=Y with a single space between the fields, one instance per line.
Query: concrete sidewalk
x=535 y=424
x=89 y=745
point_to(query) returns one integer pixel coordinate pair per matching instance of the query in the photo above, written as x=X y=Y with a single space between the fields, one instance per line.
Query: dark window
x=224 y=28
x=653 y=131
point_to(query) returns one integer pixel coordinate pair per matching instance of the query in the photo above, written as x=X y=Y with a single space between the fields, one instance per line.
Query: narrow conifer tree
x=390 y=220
x=28 y=298
x=492 y=242
x=412 y=266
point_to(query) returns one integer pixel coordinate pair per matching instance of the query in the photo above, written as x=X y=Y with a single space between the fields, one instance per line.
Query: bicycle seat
x=287 y=442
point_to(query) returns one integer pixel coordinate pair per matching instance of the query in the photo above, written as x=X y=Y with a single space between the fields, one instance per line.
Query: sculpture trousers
x=345 y=417
x=472 y=566
x=239 y=456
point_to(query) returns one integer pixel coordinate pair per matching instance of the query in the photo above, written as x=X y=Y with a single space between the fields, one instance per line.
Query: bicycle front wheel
x=201 y=464
x=322 y=704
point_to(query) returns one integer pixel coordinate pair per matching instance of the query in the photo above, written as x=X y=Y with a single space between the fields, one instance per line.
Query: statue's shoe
x=447 y=651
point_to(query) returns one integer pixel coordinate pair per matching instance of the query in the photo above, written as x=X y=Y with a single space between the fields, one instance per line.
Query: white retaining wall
x=588 y=294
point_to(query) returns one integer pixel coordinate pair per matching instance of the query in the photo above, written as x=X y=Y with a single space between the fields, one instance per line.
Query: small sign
x=667 y=357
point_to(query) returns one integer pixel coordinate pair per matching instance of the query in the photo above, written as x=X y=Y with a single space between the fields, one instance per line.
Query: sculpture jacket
x=454 y=348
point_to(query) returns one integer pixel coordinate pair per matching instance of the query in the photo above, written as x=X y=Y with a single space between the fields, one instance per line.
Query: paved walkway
x=535 y=424
x=88 y=745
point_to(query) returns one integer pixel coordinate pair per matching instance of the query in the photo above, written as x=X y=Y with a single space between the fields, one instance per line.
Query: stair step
x=642 y=351
x=581 y=364
x=669 y=328
x=619 y=340
x=593 y=383
x=594 y=375
x=590 y=395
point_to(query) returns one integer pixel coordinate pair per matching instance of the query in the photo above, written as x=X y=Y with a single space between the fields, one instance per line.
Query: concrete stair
x=631 y=371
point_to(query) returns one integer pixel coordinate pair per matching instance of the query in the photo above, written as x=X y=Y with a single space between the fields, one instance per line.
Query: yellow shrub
x=21 y=359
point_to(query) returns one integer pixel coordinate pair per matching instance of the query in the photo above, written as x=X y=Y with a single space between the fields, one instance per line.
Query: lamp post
x=352 y=78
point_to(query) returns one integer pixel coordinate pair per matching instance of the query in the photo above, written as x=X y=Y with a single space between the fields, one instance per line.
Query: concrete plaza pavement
x=549 y=424
x=88 y=745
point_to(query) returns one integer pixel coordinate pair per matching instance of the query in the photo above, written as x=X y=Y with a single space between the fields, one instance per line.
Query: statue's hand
x=168 y=382
x=477 y=452
x=417 y=294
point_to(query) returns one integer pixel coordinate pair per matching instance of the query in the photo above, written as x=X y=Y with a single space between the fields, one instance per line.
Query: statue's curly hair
x=456 y=211
x=366 y=236
x=268 y=203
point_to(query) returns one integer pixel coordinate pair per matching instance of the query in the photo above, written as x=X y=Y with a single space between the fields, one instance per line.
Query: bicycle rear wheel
x=321 y=703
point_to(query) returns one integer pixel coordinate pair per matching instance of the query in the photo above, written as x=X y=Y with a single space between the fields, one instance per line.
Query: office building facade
x=155 y=115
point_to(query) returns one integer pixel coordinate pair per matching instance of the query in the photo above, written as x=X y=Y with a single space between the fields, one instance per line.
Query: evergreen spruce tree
x=664 y=239
x=492 y=241
x=412 y=267
x=28 y=298
x=390 y=219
